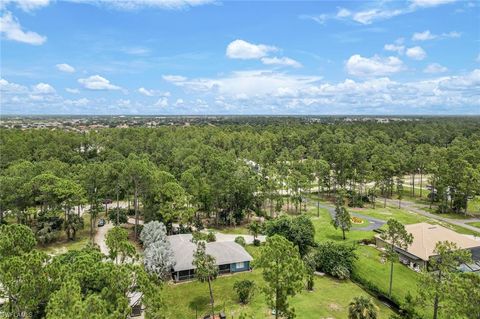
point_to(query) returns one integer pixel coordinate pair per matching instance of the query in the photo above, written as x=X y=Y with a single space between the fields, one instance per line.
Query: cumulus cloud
x=145 y=92
x=416 y=53
x=11 y=29
x=162 y=102
x=64 y=67
x=96 y=82
x=343 y=13
x=369 y=16
x=240 y=49
x=72 y=91
x=12 y=88
x=284 y=61
x=394 y=48
x=427 y=35
x=173 y=78
x=423 y=36
x=375 y=66
x=435 y=68
x=43 y=88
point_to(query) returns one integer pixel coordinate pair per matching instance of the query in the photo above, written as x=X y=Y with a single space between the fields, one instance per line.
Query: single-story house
x=425 y=237
x=230 y=257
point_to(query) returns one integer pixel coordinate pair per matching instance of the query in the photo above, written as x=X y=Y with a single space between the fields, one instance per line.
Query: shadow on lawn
x=199 y=303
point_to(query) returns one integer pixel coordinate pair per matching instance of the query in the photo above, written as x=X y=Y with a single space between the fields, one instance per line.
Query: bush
x=340 y=272
x=198 y=236
x=367 y=241
x=211 y=237
x=241 y=241
x=256 y=242
x=245 y=290
x=335 y=259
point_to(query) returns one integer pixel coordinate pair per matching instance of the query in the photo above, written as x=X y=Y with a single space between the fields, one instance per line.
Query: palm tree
x=362 y=308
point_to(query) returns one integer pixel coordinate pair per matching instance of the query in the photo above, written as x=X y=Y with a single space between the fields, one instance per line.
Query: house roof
x=426 y=236
x=224 y=252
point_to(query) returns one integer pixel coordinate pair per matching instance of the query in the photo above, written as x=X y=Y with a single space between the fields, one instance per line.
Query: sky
x=240 y=57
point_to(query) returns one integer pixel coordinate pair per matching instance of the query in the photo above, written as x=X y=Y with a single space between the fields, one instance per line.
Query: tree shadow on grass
x=199 y=303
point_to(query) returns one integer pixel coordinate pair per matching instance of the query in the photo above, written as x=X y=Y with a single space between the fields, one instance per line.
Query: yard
x=329 y=299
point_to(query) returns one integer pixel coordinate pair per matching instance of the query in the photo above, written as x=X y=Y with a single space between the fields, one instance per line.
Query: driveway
x=231 y=237
x=100 y=237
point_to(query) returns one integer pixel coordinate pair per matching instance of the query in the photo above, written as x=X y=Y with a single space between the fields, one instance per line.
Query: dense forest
x=221 y=175
x=230 y=170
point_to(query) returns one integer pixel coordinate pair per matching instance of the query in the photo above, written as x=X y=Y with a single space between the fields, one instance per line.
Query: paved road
x=374 y=223
x=417 y=208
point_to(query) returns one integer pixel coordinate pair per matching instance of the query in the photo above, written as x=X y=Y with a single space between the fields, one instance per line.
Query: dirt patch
x=334 y=307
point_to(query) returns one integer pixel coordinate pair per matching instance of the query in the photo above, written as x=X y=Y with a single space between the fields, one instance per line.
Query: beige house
x=425 y=237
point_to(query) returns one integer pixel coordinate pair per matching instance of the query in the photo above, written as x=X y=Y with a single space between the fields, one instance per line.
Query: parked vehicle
x=101 y=222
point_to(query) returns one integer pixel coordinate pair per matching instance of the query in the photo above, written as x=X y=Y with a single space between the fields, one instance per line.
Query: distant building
x=230 y=257
x=425 y=237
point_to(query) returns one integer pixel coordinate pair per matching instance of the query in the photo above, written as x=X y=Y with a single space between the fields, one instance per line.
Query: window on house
x=240 y=265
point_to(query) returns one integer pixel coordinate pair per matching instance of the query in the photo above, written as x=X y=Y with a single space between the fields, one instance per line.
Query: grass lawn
x=241 y=230
x=475 y=224
x=329 y=299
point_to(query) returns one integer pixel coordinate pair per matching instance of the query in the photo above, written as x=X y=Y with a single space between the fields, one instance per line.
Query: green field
x=329 y=299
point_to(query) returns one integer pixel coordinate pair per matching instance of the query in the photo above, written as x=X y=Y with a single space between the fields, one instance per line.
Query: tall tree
x=438 y=286
x=205 y=269
x=342 y=218
x=396 y=237
x=283 y=271
x=119 y=245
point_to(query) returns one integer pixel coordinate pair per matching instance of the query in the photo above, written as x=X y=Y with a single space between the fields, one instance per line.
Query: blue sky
x=240 y=57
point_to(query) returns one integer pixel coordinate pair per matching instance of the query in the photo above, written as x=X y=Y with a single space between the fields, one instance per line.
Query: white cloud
x=179 y=102
x=320 y=19
x=146 y=92
x=427 y=35
x=416 y=53
x=240 y=49
x=435 y=68
x=369 y=16
x=423 y=36
x=43 y=88
x=12 y=88
x=27 y=5
x=65 y=68
x=147 y=4
x=452 y=34
x=394 y=48
x=96 y=82
x=249 y=83
x=11 y=29
x=375 y=66
x=430 y=3
x=162 y=102
x=281 y=61
x=173 y=78
x=72 y=91
x=343 y=13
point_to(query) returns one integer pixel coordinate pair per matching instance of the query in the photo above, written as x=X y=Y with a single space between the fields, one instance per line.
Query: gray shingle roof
x=224 y=252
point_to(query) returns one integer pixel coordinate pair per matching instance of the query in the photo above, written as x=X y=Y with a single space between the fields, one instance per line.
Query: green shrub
x=256 y=242
x=245 y=290
x=335 y=259
x=241 y=241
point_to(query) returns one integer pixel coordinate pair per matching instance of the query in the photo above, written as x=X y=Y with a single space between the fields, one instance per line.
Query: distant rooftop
x=426 y=236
